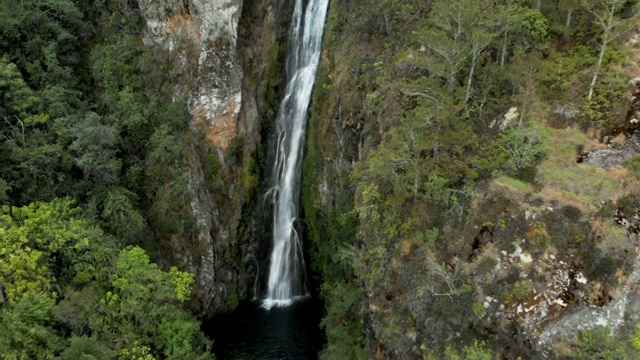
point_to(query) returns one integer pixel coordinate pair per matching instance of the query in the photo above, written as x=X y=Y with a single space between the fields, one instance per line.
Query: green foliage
x=561 y=70
x=211 y=165
x=84 y=347
x=633 y=164
x=234 y=151
x=635 y=338
x=4 y=187
x=25 y=330
x=531 y=34
x=478 y=309
x=95 y=147
x=608 y=95
x=18 y=99
x=598 y=344
x=182 y=281
x=120 y=301
x=141 y=305
x=477 y=351
x=176 y=115
x=250 y=177
x=163 y=161
x=344 y=334
x=31 y=239
x=121 y=217
x=522 y=147
x=419 y=86
x=521 y=290
x=86 y=114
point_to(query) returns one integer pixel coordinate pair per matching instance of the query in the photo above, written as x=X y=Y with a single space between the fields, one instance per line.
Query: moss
x=250 y=177
x=235 y=150
x=273 y=74
x=211 y=166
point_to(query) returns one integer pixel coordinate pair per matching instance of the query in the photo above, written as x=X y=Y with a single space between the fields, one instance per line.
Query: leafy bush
x=527 y=174
x=523 y=148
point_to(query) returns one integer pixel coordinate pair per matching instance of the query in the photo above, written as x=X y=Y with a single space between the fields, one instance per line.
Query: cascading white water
x=287 y=262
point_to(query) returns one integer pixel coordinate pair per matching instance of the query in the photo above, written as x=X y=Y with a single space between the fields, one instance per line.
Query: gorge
x=466 y=184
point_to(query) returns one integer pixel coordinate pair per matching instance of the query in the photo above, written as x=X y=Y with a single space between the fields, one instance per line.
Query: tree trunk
x=504 y=49
x=568 y=22
x=474 y=59
x=595 y=73
x=451 y=81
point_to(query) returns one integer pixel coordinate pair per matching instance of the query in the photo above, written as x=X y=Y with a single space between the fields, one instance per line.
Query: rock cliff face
x=203 y=36
x=226 y=54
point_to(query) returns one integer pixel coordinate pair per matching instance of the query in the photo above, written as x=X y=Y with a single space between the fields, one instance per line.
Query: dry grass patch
x=580 y=185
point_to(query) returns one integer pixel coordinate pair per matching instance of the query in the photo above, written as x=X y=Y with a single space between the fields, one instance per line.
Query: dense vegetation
x=461 y=118
x=91 y=159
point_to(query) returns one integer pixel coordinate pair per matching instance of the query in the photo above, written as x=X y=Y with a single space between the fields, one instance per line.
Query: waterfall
x=286 y=270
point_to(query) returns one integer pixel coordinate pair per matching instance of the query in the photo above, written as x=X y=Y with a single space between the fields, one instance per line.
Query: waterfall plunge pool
x=252 y=332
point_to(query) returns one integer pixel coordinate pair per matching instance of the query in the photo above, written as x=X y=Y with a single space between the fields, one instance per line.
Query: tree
x=32 y=238
x=509 y=20
x=84 y=347
x=604 y=13
x=95 y=149
x=457 y=32
x=569 y=6
x=141 y=306
x=522 y=146
x=33 y=156
x=18 y=101
x=523 y=70
x=443 y=36
x=25 y=328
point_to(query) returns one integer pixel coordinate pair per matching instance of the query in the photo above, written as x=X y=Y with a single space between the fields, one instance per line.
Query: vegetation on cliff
x=448 y=133
x=92 y=168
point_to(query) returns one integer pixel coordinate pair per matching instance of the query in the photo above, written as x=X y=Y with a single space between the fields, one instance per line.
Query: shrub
x=598 y=344
x=633 y=164
x=521 y=289
x=523 y=146
x=527 y=174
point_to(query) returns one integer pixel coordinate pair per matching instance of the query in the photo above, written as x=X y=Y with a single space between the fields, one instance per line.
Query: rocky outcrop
x=202 y=35
x=615 y=154
x=612 y=315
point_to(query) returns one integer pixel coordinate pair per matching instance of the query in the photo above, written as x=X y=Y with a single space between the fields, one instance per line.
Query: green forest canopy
x=91 y=142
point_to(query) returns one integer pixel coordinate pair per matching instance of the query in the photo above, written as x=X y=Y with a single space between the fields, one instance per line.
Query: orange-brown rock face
x=202 y=35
